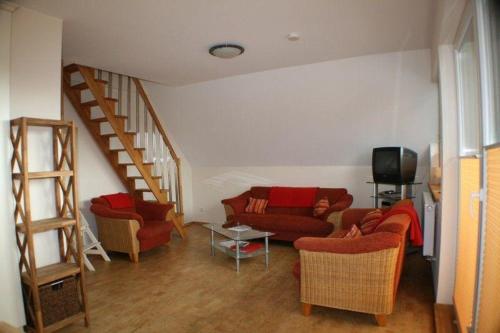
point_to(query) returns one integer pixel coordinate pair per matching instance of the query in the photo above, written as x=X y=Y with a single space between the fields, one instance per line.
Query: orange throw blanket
x=415 y=229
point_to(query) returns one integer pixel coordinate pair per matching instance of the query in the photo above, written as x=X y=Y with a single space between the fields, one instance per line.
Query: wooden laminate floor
x=180 y=288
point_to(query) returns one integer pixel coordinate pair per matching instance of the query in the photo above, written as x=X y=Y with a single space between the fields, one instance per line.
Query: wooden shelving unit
x=66 y=223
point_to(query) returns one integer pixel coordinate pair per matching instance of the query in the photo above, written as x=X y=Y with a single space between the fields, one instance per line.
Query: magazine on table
x=240 y=228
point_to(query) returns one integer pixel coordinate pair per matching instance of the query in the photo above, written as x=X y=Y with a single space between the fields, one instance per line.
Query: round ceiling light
x=226 y=51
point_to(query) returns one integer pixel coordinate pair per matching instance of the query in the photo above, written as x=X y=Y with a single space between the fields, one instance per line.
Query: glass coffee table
x=237 y=237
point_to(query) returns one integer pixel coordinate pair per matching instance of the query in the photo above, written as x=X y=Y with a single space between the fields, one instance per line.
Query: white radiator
x=429 y=224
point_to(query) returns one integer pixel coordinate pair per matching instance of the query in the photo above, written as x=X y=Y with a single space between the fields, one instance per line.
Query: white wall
x=11 y=306
x=446 y=236
x=212 y=184
x=35 y=60
x=309 y=125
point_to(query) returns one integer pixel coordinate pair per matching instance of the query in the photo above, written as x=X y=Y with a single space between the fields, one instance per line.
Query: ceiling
x=167 y=41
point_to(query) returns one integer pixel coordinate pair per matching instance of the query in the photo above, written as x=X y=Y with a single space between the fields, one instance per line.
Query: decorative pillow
x=321 y=206
x=353 y=233
x=370 y=221
x=257 y=206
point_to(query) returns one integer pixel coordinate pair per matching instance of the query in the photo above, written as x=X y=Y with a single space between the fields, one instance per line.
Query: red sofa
x=133 y=225
x=288 y=223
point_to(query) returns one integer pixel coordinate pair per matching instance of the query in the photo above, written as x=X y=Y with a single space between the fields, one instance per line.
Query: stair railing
x=141 y=120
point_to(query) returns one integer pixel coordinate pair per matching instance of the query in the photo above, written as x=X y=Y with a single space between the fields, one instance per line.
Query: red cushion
x=292 y=196
x=119 y=200
x=287 y=223
x=153 y=234
x=154 y=228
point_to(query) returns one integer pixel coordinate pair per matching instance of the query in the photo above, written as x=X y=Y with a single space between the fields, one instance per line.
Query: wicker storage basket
x=59 y=300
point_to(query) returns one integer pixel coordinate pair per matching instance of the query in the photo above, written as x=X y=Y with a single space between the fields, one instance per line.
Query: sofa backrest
x=333 y=195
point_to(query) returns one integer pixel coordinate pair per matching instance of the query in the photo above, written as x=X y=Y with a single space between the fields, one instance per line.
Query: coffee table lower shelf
x=237 y=254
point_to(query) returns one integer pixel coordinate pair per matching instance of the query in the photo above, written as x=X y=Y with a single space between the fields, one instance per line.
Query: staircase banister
x=155 y=118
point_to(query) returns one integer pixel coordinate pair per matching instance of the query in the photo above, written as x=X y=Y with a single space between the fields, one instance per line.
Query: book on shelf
x=231 y=243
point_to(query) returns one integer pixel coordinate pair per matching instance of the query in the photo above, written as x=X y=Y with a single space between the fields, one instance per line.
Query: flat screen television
x=394 y=165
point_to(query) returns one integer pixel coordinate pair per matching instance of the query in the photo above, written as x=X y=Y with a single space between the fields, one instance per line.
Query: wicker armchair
x=133 y=227
x=359 y=274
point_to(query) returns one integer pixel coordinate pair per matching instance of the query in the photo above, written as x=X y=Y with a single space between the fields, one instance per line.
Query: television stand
x=400 y=192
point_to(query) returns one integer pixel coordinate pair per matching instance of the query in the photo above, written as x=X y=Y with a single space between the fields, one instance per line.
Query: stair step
x=123 y=149
x=95 y=103
x=141 y=177
x=130 y=164
x=104 y=119
x=84 y=85
x=142 y=190
x=71 y=68
x=111 y=135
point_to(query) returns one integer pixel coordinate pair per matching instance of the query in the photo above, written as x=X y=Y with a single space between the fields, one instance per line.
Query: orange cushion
x=321 y=206
x=257 y=206
x=353 y=233
x=370 y=221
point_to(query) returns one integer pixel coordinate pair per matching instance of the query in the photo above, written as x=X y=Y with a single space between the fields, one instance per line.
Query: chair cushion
x=153 y=229
x=153 y=234
x=276 y=222
x=119 y=200
x=257 y=206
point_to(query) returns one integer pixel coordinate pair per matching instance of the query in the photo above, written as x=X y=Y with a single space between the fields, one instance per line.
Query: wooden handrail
x=155 y=118
x=161 y=130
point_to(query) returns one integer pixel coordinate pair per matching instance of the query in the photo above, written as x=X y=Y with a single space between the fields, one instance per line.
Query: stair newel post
x=146 y=143
x=162 y=166
x=120 y=102
x=178 y=190
x=128 y=103
x=110 y=85
x=169 y=176
x=153 y=149
x=137 y=118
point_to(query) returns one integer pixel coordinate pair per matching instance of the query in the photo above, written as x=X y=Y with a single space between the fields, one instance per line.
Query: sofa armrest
x=369 y=243
x=362 y=282
x=152 y=210
x=343 y=203
x=236 y=205
x=103 y=211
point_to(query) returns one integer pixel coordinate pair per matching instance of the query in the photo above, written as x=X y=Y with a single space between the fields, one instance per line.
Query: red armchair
x=130 y=225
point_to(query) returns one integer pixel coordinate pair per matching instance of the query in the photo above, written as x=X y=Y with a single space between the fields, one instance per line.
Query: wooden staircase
x=137 y=135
